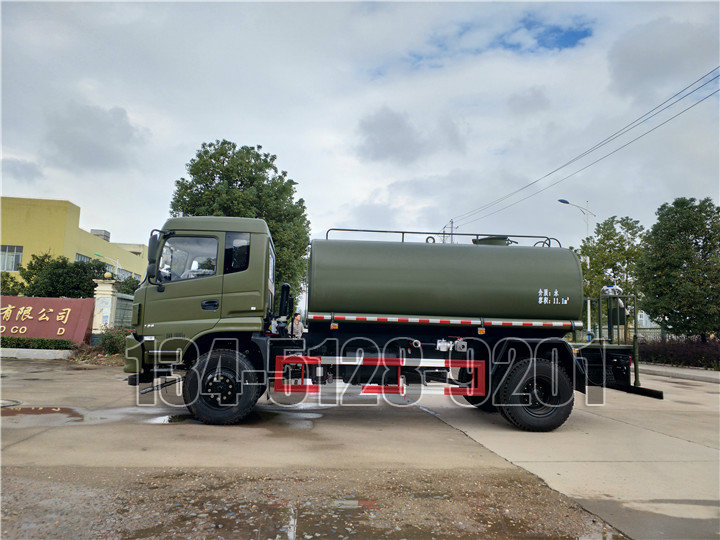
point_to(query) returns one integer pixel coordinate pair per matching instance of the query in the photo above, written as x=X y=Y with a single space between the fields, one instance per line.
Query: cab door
x=187 y=299
x=245 y=277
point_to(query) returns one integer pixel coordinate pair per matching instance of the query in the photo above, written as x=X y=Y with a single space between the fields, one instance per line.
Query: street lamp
x=587 y=213
x=117 y=261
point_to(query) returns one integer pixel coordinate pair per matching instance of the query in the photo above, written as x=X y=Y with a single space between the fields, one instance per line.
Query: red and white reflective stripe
x=476 y=388
x=378 y=361
x=437 y=320
x=534 y=324
x=392 y=319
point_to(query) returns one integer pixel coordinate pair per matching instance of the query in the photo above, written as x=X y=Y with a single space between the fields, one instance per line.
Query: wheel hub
x=220 y=389
x=540 y=398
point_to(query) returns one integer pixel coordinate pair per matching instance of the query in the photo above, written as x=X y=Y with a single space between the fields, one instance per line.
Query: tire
x=483 y=403
x=221 y=387
x=546 y=411
x=502 y=412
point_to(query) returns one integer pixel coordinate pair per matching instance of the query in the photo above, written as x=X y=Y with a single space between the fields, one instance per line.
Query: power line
x=594 y=162
x=640 y=120
x=610 y=138
x=605 y=141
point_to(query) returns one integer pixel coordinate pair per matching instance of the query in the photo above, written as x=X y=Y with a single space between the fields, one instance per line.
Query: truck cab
x=206 y=276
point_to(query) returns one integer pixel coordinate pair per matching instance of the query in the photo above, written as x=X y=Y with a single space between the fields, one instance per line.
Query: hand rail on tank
x=543 y=241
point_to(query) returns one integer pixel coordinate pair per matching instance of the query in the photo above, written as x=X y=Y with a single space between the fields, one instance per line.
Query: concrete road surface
x=648 y=467
x=81 y=460
x=76 y=440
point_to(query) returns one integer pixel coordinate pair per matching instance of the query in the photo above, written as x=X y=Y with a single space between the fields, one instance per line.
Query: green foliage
x=59 y=277
x=50 y=276
x=614 y=252
x=37 y=264
x=14 y=342
x=128 y=285
x=227 y=180
x=9 y=284
x=679 y=272
x=112 y=340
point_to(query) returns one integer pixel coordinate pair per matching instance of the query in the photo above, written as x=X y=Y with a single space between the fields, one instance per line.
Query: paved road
x=79 y=459
x=648 y=467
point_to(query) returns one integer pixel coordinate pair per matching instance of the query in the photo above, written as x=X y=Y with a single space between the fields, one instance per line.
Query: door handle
x=210 y=305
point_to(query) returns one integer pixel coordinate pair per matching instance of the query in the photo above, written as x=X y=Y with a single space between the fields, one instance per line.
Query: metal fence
x=123 y=309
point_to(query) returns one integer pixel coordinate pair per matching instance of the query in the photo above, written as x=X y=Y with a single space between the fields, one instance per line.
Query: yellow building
x=37 y=226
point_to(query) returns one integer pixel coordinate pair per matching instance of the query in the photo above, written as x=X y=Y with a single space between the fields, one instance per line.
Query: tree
x=37 y=264
x=9 y=285
x=679 y=272
x=613 y=252
x=60 y=277
x=227 y=180
x=128 y=285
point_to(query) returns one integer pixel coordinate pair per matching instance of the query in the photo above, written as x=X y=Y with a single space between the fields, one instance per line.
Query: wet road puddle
x=171 y=419
x=276 y=420
x=343 y=518
x=38 y=416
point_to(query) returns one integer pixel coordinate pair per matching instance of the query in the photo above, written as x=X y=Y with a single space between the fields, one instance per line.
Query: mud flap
x=639 y=390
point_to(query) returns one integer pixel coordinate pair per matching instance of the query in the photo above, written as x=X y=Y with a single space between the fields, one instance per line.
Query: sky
x=387 y=115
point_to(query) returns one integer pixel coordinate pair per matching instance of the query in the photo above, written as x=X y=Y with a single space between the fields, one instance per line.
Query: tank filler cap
x=492 y=241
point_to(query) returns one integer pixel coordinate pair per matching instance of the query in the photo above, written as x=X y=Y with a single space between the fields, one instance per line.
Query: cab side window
x=237 y=252
x=188 y=257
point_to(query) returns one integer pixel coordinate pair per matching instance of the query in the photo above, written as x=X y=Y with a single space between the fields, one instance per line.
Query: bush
x=690 y=352
x=112 y=340
x=15 y=342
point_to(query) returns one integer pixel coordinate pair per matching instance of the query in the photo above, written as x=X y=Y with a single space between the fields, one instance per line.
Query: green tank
x=466 y=280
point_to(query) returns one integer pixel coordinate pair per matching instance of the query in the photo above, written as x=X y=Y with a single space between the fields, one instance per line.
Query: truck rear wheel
x=536 y=395
x=221 y=387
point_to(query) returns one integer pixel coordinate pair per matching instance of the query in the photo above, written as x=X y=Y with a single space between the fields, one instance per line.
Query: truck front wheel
x=536 y=395
x=221 y=387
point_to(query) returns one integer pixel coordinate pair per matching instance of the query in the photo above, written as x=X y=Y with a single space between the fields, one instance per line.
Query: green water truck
x=483 y=321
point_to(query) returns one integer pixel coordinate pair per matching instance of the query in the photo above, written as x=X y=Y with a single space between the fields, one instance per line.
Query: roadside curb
x=681 y=373
x=35 y=354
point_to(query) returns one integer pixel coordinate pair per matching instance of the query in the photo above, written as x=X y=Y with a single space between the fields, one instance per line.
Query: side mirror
x=285 y=300
x=153 y=245
x=151 y=271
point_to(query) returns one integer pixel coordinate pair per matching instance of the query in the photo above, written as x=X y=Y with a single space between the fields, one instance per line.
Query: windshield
x=188 y=257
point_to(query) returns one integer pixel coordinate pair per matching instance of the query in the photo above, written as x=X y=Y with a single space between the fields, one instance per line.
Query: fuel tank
x=412 y=278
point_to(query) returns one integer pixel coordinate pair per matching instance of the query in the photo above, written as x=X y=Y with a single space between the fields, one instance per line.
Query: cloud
x=528 y=101
x=21 y=169
x=654 y=59
x=391 y=136
x=388 y=135
x=87 y=137
x=387 y=114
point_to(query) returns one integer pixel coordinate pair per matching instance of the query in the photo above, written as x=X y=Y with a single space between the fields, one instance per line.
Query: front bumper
x=133 y=355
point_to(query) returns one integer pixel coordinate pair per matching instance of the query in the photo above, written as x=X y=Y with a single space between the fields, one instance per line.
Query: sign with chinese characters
x=551 y=297
x=59 y=318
